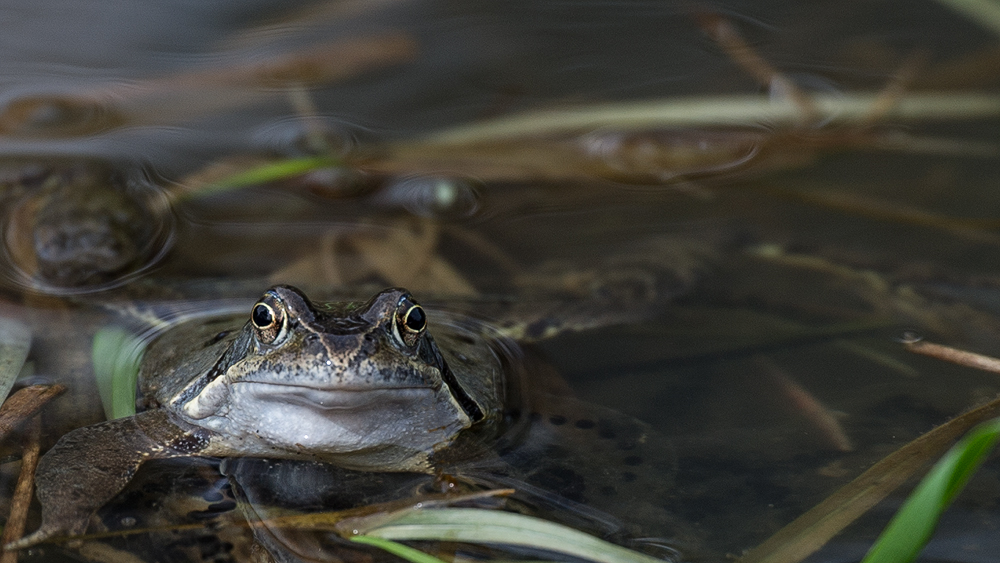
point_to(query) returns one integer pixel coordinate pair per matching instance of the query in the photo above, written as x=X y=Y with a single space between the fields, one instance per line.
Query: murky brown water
x=777 y=260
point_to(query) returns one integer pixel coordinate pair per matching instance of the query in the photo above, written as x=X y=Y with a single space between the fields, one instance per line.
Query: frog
x=76 y=225
x=362 y=385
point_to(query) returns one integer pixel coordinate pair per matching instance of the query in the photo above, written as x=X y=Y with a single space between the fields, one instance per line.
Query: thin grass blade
x=911 y=527
x=404 y=551
x=270 y=172
x=470 y=525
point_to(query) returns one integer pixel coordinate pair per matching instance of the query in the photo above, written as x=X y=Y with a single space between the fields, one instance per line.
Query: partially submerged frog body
x=361 y=385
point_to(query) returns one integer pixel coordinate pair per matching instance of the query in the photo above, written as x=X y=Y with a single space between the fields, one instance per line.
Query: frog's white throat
x=273 y=419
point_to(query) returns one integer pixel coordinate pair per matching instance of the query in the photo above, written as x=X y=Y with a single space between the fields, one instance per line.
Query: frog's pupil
x=262 y=316
x=415 y=319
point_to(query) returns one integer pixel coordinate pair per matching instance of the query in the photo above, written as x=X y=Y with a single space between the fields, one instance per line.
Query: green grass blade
x=911 y=527
x=270 y=172
x=116 y=355
x=398 y=549
x=469 y=525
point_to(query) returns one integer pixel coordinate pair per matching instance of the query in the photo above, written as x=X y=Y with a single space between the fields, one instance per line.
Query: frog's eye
x=414 y=319
x=268 y=318
x=411 y=321
x=262 y=316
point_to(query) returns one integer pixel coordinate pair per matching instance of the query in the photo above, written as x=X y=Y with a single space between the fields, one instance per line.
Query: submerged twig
x=956 y=356
x=726 y=35
x=809 y=407
x=24 y=404
x=340 y=521
x=897 y=86
x=21 y=500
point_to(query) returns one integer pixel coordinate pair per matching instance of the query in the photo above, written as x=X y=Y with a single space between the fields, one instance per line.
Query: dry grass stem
x=716 y=111
x=973 y=229
x=956 y=356
x=319 y=64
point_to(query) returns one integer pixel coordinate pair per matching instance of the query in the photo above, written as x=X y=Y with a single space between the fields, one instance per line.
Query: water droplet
x=306 y=135
x=909 y=337
x=439 y=197
x=128 y=522
x=661 y=548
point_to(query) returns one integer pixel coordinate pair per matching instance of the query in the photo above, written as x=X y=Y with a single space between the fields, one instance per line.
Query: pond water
x=713 y=223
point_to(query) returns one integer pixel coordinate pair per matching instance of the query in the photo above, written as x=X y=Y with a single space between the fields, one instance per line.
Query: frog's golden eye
x=414 y=320
x=262 y=316
x=410 y=322
x=268 y=318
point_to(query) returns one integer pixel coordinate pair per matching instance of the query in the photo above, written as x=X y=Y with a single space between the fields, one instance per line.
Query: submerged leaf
x=116 y=355
x=24 y=404
x=15 y=340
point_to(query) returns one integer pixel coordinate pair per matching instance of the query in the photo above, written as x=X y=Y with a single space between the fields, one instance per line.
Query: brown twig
x=809 y=407
x=955 y=356
x=24 y=404
x=898 y=84
x=21 y=499
x=725 y=34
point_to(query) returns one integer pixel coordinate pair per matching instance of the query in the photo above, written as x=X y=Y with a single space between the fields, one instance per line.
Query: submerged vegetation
x=755 y=282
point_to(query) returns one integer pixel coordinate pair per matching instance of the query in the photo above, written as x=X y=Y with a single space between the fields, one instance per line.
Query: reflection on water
x=78 y=226
x=710 y=315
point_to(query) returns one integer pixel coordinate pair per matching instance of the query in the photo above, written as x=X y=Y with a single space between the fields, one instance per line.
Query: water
x=739 y=288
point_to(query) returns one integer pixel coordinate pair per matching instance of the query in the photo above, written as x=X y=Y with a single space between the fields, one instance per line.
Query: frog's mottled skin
x=362 y=385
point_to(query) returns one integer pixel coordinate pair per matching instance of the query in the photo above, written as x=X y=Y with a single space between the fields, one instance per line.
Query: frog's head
x=362 y=383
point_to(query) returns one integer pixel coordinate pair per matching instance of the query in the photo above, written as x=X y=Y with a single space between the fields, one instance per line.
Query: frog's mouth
x=217 y=396
x=332 y=399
